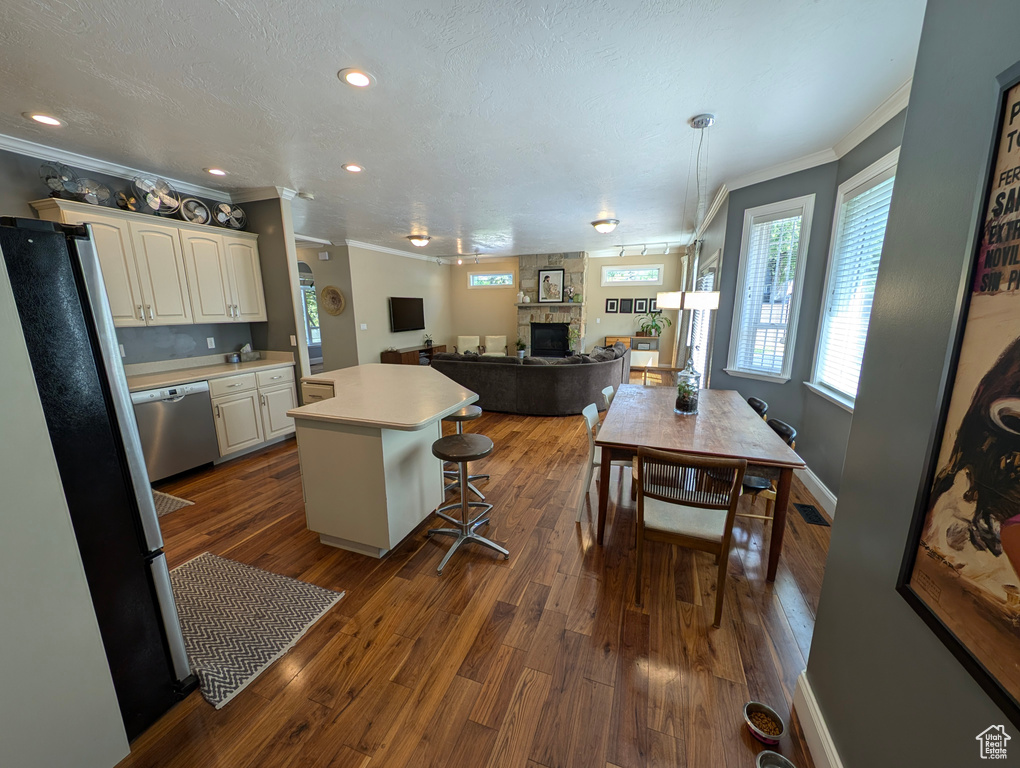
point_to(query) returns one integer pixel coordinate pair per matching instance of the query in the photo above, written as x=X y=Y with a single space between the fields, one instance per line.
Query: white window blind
x=700 y=327
x=853 y=269
x=772 y=254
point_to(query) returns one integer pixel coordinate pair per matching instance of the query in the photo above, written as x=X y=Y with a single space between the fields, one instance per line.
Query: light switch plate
x=364 y=326
x=210 y=342
x=323 y=255
x=598 y=320
x=293 y=340
x=121 y=347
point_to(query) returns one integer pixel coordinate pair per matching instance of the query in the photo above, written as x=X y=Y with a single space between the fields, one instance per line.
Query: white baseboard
x=816 y=733
x=819 y=490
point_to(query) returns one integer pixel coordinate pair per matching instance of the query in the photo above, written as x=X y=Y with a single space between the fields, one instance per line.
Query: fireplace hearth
x=549 y=340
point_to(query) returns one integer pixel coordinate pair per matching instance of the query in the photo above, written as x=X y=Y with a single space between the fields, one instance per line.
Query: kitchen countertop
x=158 y=380
x=404 y=397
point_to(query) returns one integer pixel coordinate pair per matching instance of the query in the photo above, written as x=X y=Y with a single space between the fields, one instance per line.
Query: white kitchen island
x=367 y=469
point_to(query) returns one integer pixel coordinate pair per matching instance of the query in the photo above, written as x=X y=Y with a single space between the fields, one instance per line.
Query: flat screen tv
x=406 y=314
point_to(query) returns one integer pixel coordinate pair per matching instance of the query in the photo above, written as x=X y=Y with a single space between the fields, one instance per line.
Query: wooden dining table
x=725 y=426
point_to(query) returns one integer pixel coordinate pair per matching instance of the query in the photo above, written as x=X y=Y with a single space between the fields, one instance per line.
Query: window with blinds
x=855 y=252
x=772 y=252
x=700 y=329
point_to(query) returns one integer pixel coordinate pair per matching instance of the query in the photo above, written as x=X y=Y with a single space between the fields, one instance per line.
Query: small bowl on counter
x=233 y=357
x=764 y=723
x=770 y=759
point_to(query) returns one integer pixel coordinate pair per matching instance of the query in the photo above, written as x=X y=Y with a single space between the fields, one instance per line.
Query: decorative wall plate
x=332 y=300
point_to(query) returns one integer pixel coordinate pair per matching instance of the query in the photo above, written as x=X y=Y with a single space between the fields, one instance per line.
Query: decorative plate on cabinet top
x=332 y=300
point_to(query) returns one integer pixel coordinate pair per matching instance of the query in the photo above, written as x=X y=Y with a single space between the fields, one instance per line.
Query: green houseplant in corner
x=521 y=346
x=653 y=323
x=573 y=338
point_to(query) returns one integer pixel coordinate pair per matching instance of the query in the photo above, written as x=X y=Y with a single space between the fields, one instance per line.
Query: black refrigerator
x=66 y=321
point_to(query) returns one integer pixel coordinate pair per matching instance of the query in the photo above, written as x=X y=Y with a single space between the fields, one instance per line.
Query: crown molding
x=784 y=169
x=717 y=202
x=883 y=113
x=42 y=152
x=263 y=193
x=395 y=252
x=309 y=239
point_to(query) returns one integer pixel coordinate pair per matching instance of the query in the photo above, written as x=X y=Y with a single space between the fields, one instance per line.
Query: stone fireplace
x=574 y=265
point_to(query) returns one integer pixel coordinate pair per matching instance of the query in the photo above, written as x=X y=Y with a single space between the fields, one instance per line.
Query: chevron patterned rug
x=237 y=620
x=165 y=503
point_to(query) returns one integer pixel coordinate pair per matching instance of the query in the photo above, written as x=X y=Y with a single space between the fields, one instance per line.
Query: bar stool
x=467 y=413
x=460 y=449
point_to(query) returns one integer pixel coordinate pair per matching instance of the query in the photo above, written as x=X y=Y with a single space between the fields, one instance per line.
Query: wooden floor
x=542 y=660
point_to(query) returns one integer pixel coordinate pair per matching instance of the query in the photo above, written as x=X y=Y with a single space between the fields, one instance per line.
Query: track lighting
x=621 y=251
x=644 y=250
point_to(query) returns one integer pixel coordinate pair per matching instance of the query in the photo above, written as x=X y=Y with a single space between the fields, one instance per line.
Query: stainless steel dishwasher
x=176 y=427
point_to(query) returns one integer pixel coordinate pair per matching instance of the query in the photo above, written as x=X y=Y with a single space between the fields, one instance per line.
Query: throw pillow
x=537 y=361
x=448 y=356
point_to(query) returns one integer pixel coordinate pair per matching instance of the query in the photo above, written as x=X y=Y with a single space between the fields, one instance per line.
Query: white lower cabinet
x=251 y=408
x=275 y=404
x=238 y=421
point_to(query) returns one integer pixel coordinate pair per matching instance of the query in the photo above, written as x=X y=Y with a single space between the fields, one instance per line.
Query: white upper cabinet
x=207 y=277
x=159 y=272
x=245 y=279
x=117 y=260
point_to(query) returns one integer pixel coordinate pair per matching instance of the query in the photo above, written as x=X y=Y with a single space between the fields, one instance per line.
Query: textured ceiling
x=502 y=127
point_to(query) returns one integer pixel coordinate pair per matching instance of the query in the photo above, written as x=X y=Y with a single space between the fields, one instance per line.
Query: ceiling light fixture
x=476 y=257
x=352 y=167
x=358 y=78
x=419 y=241
x=216 y=171
x=459 y=262
x=644 y=250
x=41 y=118
x=605 y=226
x=306 y=195
x=621 y=251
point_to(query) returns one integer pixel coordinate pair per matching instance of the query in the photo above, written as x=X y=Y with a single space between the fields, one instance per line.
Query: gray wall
x=173 y=342
x=267 y=217
x=823 y=427
x=58 y=706
x=891 y=693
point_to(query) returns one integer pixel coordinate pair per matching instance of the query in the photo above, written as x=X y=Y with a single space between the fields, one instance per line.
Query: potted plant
x=573 y=338
x=653 y=323
x=428 y=340
x=520 y=348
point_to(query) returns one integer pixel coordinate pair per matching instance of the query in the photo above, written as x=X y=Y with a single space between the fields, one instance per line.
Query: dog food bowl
x=757 y=708
x=770 y=759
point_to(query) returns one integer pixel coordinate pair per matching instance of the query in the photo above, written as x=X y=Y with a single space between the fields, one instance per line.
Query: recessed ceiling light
x=605 y=226
x=41 y=118
x=459 y=262
x=216 y=171
x=352 y=167
x=419 y=240
x=359 y=78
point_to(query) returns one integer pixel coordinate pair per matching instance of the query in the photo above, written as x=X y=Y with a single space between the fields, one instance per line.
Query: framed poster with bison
x=961 y=571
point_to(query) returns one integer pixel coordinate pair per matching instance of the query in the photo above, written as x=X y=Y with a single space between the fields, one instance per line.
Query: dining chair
x=591 y=420
x=762 y=480
x=688 y=501
x=466 y=344
x=495 y=346
x=759 y=405
x=609 y=393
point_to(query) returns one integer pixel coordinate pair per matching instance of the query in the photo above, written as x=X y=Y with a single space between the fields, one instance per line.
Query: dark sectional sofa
x=538 y=386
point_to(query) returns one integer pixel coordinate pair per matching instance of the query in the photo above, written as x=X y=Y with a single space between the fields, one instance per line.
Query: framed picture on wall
x=626 y=306
x=961 y=568
x=550 y=285
x=612 y=306
x=640 y=306
x=653 y=305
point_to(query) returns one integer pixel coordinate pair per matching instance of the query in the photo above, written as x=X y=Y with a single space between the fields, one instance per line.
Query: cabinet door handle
x=263 y=399
x=217 y=411
x=233 y=385
x=141 y=315
x=274 y=378
x=149 y=307
x=233 y=311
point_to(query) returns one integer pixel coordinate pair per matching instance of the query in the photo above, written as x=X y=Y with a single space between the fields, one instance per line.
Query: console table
x=411 y=355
